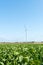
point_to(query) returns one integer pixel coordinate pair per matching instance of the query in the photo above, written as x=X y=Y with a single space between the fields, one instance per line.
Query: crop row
x=21 y=54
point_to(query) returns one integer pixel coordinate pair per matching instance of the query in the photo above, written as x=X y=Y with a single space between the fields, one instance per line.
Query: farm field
x=21 y=54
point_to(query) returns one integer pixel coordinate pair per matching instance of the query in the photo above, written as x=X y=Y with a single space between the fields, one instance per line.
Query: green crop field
x=21 y=54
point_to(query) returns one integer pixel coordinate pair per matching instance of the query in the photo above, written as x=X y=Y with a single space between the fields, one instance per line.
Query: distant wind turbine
x=25 y=32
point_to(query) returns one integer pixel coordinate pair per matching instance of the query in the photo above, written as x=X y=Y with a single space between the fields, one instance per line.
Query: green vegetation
x=21 y=54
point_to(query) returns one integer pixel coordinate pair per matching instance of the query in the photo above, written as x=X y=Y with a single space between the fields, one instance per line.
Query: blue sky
x=15 y=14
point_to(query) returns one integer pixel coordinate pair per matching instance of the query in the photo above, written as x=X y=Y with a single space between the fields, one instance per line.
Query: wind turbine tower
x=25 y=32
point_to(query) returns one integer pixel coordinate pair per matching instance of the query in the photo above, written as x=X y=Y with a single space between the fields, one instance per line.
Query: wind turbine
x=25 y=32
